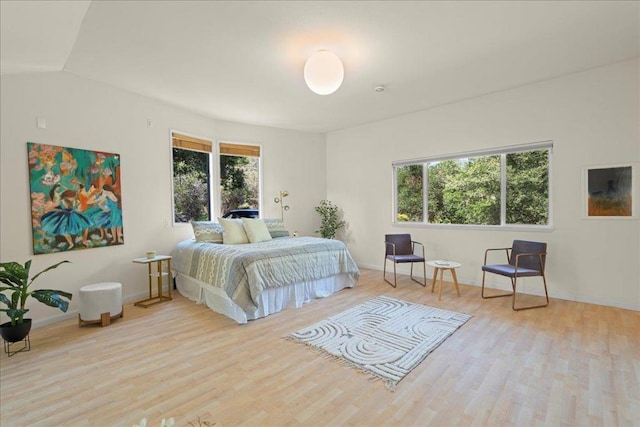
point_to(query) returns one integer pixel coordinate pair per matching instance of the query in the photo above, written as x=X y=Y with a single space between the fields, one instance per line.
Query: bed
x=250 y=281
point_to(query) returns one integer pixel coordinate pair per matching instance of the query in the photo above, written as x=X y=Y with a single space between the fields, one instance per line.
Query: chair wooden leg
x=494 y=296
x=513 y=303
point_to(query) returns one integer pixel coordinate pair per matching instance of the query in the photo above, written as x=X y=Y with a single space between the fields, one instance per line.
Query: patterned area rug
x=384 y=337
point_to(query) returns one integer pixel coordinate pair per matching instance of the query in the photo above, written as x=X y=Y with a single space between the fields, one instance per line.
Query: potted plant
x=330 y=222
x=16 y=277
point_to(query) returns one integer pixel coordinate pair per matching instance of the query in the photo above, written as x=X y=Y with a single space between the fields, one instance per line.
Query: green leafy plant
x=16 y=277
x=330 y=221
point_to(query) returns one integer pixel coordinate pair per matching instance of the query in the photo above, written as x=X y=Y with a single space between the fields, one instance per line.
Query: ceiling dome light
x=323 y=72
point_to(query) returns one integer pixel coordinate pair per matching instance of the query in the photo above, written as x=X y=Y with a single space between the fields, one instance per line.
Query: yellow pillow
x=233 y=232
x=256 y=230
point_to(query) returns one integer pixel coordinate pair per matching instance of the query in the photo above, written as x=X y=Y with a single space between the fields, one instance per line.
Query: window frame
x=215 y=197
x=260 y=173
x=502 y=152
x=212 y=174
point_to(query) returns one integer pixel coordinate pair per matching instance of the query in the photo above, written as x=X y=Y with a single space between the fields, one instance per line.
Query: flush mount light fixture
x=323 y=72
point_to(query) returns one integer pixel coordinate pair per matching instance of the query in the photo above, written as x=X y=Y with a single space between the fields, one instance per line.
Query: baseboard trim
x=539 y=292
x=74 y=314
x=552 y=294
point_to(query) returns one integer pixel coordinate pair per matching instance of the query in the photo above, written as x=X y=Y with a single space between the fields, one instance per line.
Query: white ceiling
x=243 y=61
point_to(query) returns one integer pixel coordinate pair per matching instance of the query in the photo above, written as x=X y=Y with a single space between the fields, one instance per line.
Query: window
x=499 y=187
x=191 y=179
x=194 y=197
x=239 y=177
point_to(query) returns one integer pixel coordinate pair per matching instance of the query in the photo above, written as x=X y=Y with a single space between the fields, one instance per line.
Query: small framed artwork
x=610 y=191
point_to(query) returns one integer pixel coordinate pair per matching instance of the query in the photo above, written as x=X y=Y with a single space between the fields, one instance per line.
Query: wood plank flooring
x=564 y=365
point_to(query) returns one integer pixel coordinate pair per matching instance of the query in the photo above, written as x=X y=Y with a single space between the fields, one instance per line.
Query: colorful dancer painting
x=76 y=200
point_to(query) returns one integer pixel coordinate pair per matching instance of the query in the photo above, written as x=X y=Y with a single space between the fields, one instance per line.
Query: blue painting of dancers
x=76 y=198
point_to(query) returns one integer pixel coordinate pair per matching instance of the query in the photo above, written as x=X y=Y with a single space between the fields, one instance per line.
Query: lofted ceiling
x=243 y=60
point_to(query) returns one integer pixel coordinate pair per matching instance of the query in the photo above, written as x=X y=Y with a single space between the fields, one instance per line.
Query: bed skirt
x=270 y=301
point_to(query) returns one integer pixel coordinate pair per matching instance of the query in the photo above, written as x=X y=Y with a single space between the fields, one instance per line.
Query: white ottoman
x=100 y=302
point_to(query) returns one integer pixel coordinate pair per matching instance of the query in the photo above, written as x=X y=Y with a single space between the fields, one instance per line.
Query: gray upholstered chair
x=524 y=259
x=399 y=248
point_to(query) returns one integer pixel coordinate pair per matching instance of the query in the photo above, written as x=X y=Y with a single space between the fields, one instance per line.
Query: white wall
x=84 y=114
x=592 y=117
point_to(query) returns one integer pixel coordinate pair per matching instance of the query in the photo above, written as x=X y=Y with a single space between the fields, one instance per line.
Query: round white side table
x=441 y=266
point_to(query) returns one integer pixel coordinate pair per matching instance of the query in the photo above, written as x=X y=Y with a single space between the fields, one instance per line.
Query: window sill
x=527 y=228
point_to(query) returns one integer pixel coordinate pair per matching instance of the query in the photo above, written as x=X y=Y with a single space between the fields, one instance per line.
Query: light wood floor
x=564 y=365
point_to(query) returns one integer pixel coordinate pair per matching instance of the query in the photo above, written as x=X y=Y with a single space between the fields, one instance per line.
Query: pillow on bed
x=276 y=227
x=207 y=231
x=256 y=230
x=233 y=232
